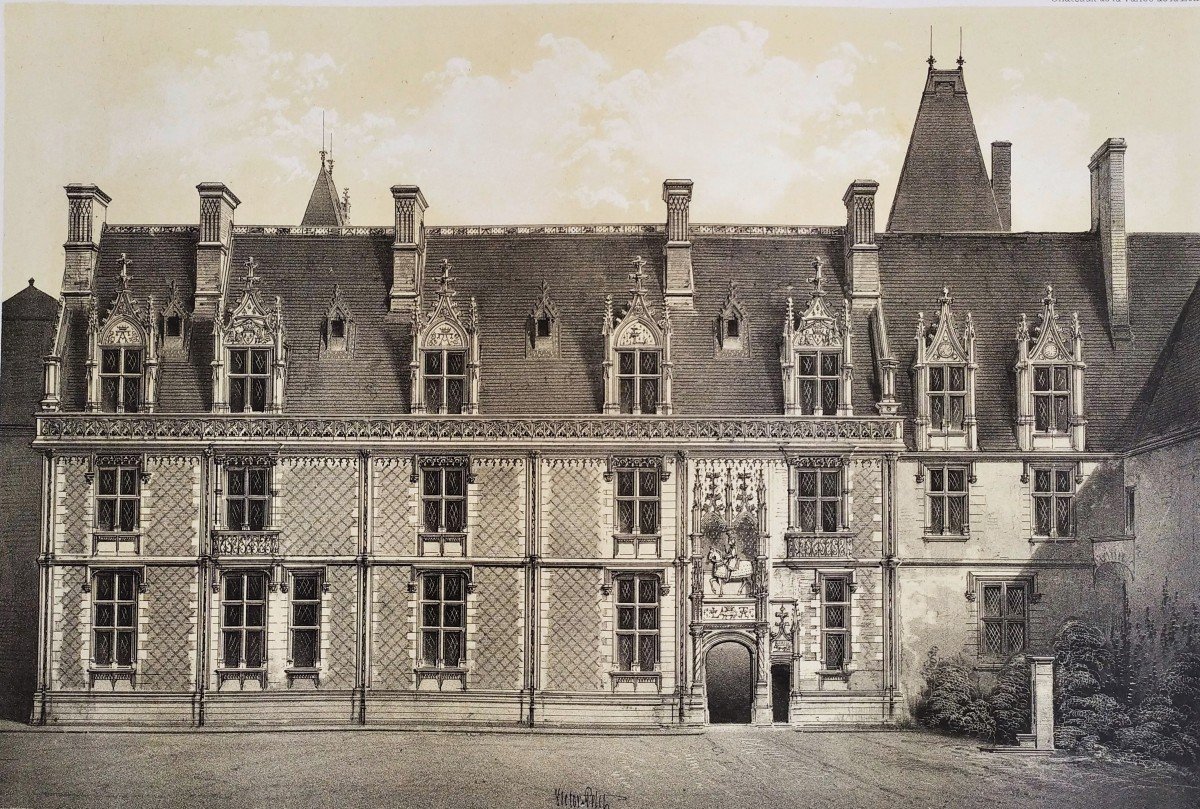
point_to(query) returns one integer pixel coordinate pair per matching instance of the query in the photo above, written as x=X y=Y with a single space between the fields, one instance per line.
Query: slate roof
x=996 y=277
x=1172 y=400
x=324 y=206
x=27 y=334
x=944 y=186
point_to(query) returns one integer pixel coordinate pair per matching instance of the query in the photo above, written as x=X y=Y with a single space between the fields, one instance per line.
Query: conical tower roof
x=324 y=208
x=944 y=185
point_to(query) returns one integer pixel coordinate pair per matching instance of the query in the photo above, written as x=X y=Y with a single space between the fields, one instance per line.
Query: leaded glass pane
x=648 y=618
x=649 y=393
x=103 y=652
x=431 y=615
x=648 y=516
x=1016 y=637
x=937 y=412
x=829 y=396
x=106 y=514
x=128 y=515
x=958 y=378
x=255 y=615
x=829 y=510
x=625 y=591
x=937 y=480
x=648 y=484
x=625 y=394
x=1041 y=513
x=236 y=483
x=1061 y=420
x=956 y=509
x=429 y=647
x=1060 y=377
x=124 y=648
x=835 y=651
x=109 y=393
x=433 y=363
x=456 y=363
x=1041 y=378
x=259 y=360
x=937 y=378
x=808 y=515
x=808 y=396
x=647 y=362
x=233 y=615
x=452 y=649
x=829 y=484
x=454 y=482
x=991 y=637
x=829 y=364
x=233 y=649
x=956 y=480
x=625 y=618
x=237 y=362
x=125 y=615
x=957 y=412
x=991 y=600
x=129 y=481
x=835 y=589
x=108 y=481
x=125 y=586
x=1041 y=413
x=625 y=652
x=433 y=394
x=304 y=648
x=1015 y=600
x=110 y=361
x=455 y=398
x=132 y=391
x=254 y=649
x=305 y=588
x=305 y=614
x=454 y=588
x=133 y=361
x=1062 y=480
x=625 y=484
x=255 y=585
x=433 y=587
x=648 y=652
x=937 y=516
x=258 y=515
x=452 y=615
x=233 y=587
x=104 y=614
x=1063 y=507
x=432 y=515
x=258 y=481
x=648 y=591
x=835 y=617
x=626 y=363
x=808 y=484
x=1041 y=480
x=625 y=516
x=808 y=365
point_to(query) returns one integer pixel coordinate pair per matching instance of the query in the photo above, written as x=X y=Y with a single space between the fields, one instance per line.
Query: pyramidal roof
x=944 y=185
x=324 y=208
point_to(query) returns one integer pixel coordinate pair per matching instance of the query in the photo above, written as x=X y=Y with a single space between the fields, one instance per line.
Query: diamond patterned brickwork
x=74 y=507
x=167 y=650
x=391 y=623
x=394 y=506
x=171 y=506
x=318 y=509
x=573 y=509
x=866 y=508
x=574 y=661
x=341 y=609
x=68 y=628
x=498 y=629
x=500 y=520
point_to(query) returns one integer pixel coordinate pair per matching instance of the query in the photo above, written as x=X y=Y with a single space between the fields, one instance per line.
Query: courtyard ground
x=723 y=767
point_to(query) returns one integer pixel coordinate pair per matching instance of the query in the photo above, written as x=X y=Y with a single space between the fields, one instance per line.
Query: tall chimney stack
x=1107 y=168
x=1002 y=181
x=408 y=248
x=217 y=204
x=87 y=207
x=678 y=286
x=861 y=251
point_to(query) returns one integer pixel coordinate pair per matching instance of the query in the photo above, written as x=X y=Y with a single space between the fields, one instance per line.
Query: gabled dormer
x=250 y=354
x=1050 y=382
x=637 y=354
x=337 y=327
x=542 y=339
x=174 y=324
x=815 y=355
x=733 y=327
x=944 y=381
x=445 y=354
x=122 y=366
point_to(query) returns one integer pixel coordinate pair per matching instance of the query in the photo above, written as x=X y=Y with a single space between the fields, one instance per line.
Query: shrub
x=951 y=700
x=1087 y=713
x=1009 y=703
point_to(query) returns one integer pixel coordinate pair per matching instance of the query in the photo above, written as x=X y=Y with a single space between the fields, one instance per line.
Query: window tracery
x=250 y=356
x=122 y=367
x=815 y=356
x=1050 y=382
x=445 y=354
x=637 y=355
x=944 y=377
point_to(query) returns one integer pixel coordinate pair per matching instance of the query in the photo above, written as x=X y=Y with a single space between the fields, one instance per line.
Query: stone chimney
x=678 y=286
x=1108 y=221
x=861 y=251
x=87 y=207
x=1002 y=181
x=217 y=204
x=408 y=248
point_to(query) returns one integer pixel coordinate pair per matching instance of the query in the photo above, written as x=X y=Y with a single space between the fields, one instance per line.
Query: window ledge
x=258 y=675
x=112 y=675
x=651 y=679
x=653 y=543
x=835 y=674
x=439 y=677
x=298 y=673
x=946 y=538
x=116 y=543
x=1052 y=540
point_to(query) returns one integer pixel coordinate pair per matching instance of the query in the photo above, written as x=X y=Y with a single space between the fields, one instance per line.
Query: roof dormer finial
x=931 y=60
x=638 y=276
x=251 y=277
x=960 y=56
x=818 y=278
x=124 y=277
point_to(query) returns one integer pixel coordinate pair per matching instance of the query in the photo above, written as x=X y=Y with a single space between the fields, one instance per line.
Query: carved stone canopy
x=251 y=323
x=817 y=327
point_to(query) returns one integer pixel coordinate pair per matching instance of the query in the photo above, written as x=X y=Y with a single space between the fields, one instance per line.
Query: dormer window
x=543 y=327
x=732 y=334
x=815 y=356
x=445 y=359
x=944 y=378
x=173 y=323
x=637 y=366
x=1050 y=382
x=337 y=328
x=250 y=354
x=122 y=369
x=173 y=326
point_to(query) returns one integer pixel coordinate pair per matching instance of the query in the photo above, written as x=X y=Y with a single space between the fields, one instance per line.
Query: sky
x=565 y=114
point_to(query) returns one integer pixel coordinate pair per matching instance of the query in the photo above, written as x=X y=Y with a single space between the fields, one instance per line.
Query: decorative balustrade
x=245 y=543
x=818 y=546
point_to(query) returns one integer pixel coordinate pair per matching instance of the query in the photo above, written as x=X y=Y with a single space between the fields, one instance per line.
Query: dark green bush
x=951 y=700
x=1010 y=701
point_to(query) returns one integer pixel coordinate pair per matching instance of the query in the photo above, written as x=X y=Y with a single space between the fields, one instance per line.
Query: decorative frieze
x=245 y=543
x=818 y=547
x=135 y=427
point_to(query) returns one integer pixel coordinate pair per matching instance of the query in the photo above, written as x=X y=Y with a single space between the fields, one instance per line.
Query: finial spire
x=638 y=275
x=960 y=57
x=931 y=60
x=331 y=151
x=818 y=278
x=251 y=277
x=444 y=280
x=323 y=152
x=124 y=262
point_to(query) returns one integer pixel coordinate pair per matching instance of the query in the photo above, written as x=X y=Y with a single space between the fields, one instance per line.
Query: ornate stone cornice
x=204 y=427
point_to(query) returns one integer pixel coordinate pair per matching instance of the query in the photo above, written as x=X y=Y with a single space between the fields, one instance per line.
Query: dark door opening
x=781 y=692
x=729 y=682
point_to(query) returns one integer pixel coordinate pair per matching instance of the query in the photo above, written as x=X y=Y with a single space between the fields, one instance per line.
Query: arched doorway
x=729 y=682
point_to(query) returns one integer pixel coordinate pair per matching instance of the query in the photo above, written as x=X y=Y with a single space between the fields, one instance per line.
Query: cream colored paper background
x=575 y=113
